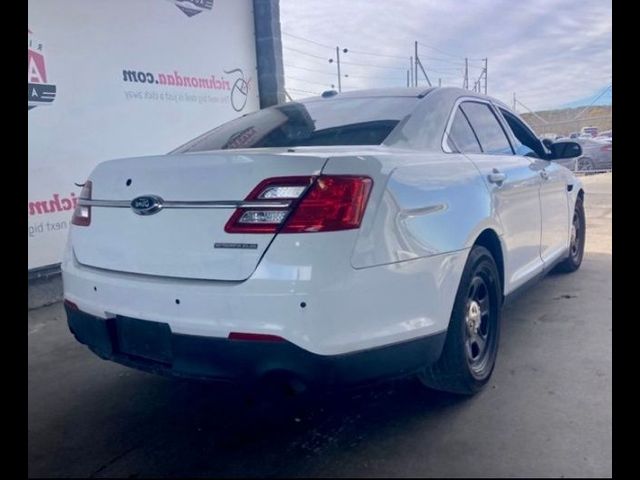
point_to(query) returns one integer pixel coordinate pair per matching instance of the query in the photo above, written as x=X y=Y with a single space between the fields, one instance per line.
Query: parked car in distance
x=551 y=136
x=606 y=136
x=339 y=239
x=589 y=131
x=596 y=155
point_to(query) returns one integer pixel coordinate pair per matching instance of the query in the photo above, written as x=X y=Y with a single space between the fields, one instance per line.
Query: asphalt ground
x=546 y=411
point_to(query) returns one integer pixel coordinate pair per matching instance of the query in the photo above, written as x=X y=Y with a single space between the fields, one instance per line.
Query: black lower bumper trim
x=152 y=347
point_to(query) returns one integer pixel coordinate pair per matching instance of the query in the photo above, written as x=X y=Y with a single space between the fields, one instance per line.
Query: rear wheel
x=471 y=346
x=576 y=246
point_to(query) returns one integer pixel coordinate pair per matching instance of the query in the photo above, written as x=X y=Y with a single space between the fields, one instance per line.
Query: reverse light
x=318 y=204
x=82 y=213
x=282 y=192
x=254 y=217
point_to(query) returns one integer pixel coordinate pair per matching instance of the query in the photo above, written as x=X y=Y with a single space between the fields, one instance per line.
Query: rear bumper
x=153 y=347
x=303 y=293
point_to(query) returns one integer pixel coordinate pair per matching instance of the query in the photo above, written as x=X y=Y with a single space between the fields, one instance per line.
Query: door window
x=493 y=140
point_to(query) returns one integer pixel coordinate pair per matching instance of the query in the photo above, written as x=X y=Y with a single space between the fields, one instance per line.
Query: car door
x=512 y=182
x=554 y=194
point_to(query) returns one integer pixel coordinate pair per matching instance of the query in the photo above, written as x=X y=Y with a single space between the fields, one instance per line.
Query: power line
x=375 y=77
x=439 y=50
x=447 y=53
x=305 y=53
x=347 y=63
x=309 y=70
x=308 y=81
x=360 y=52
x=373 y=66
x=308 y=40
x=594 y=101
x=303 y=91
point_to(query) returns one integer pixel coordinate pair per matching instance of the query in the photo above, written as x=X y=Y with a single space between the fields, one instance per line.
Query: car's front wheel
x=471 y=345
x=585 y=164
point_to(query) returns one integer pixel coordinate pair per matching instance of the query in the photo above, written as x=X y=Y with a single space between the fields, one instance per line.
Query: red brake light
x=82 y=213
x=332 y=203
x=318 y=204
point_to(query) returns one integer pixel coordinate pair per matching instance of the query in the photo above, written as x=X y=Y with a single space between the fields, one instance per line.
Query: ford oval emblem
x=147 y=204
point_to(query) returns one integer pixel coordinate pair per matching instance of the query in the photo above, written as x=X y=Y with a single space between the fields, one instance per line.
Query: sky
x=551 y=54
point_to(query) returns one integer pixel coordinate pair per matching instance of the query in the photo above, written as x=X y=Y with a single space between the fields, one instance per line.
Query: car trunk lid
x=189 y=241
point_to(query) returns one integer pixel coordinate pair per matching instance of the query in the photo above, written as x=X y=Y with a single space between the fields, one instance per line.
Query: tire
x=576 y=245
x=585 y=164
x=462 y=367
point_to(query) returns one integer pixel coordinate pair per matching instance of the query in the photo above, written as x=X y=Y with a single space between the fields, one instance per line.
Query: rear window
x=346 y=121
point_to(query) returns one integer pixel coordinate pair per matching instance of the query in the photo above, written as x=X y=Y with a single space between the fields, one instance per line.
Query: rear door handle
x=497 y=177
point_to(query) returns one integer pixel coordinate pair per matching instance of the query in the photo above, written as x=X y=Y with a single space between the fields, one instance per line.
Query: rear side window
x=461 y=137
x=342 y=121
x=491 y=136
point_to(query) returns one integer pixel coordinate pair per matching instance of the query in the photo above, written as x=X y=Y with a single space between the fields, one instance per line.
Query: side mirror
x=560 y=150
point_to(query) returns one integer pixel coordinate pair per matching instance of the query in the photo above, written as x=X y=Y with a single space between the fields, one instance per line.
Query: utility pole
x=344 y=50
x=408 y=79
x=514 y=101
x=338 y=62
x=415 y=60
x=411 y=69
x=466 y=74
x=418 y=63
x=486 y=74
x=439 y=82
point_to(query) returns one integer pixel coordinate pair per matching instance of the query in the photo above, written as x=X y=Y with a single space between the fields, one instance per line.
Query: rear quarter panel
x=421 y=205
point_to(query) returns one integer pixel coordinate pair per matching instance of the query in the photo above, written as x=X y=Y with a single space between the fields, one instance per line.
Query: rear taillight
x=332 y=203
x=606 y=148
x=263 y=217
x=313 y=204
x=82 y=213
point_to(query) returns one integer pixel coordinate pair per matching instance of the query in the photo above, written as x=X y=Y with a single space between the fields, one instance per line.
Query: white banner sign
x=119 y=78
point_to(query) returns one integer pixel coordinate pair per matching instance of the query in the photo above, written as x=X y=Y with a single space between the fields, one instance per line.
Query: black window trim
x=466 y=119
x=499 y=108
x=494 y=110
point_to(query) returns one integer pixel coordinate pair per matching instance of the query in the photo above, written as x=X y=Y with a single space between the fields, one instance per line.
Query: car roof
x=383 y=92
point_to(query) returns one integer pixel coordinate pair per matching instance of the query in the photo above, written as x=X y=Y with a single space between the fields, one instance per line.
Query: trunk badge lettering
x=241 y=246
x=147 y=204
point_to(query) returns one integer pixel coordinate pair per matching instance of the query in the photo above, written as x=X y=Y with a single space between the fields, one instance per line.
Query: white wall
x=97 y=115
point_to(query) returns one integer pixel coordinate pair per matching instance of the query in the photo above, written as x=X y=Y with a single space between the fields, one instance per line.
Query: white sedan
x=339 y=239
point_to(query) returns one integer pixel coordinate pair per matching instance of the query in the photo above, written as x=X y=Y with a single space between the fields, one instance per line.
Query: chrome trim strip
x=228 y=204
x=104 y=203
